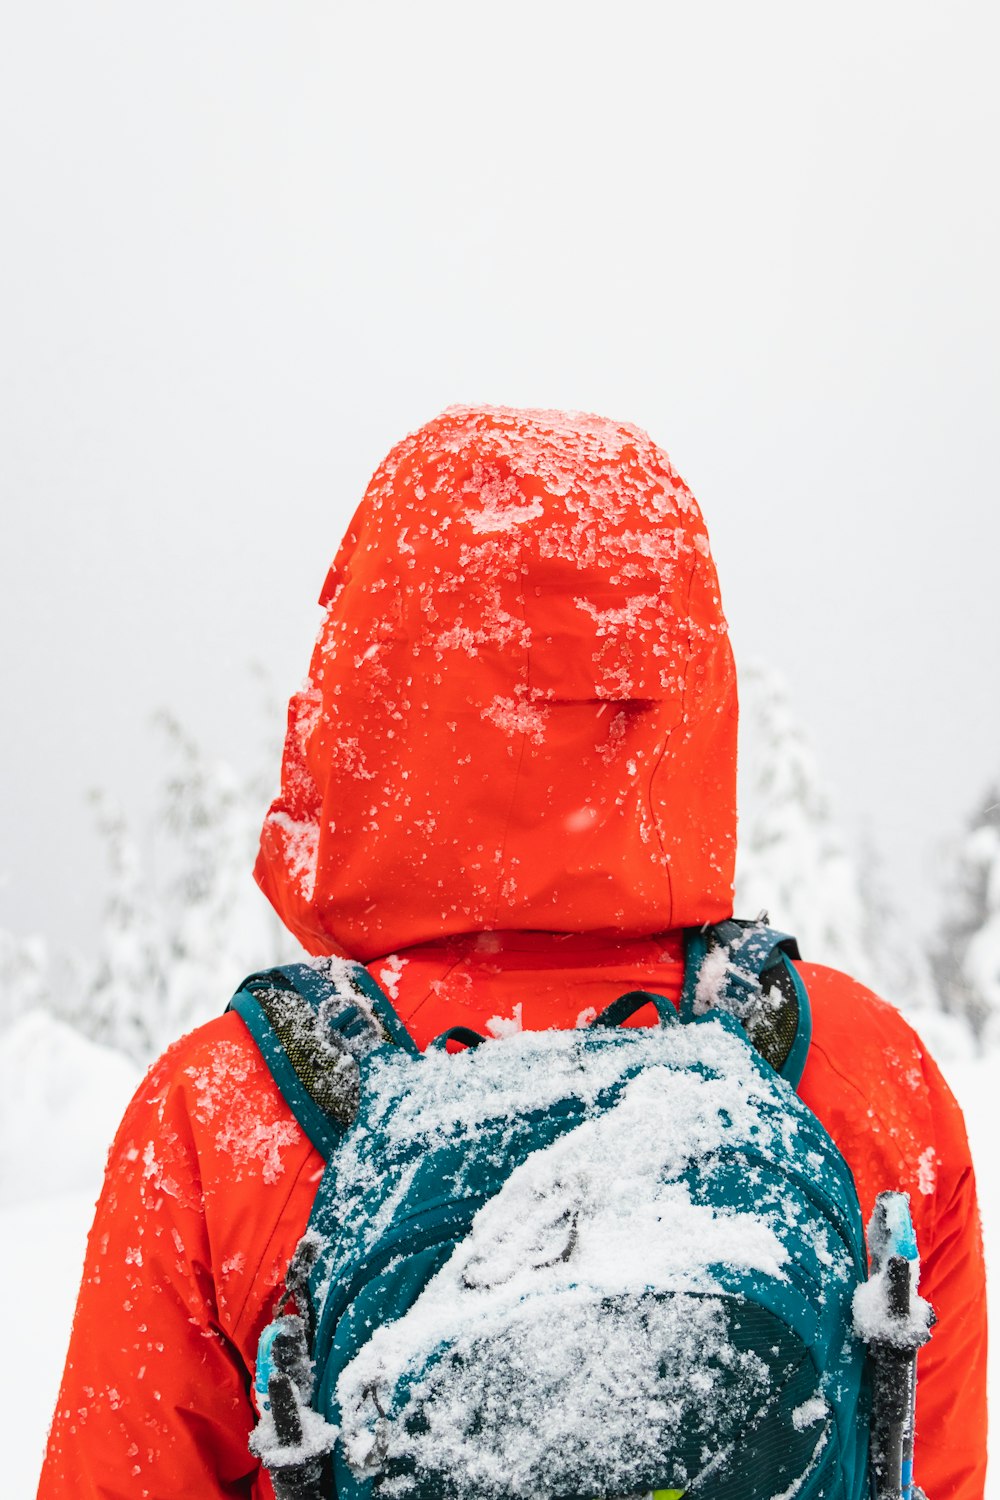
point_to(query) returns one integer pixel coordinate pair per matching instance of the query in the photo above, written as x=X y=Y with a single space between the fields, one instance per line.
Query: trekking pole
x=895 y=1323
x=291 y=1439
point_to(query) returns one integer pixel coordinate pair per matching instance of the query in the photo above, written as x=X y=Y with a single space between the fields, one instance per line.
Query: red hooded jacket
x=508 y=782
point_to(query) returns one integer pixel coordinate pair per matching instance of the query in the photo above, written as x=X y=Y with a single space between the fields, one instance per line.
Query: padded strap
x=309 y=1023
x=754 y=979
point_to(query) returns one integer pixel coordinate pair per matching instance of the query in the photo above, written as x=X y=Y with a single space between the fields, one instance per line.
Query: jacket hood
x=521 y=707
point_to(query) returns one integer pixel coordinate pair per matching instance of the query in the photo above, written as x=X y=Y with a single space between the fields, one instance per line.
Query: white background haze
x=247 y=246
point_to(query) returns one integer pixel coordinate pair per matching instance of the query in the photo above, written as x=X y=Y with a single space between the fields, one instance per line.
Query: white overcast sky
x=246 y=246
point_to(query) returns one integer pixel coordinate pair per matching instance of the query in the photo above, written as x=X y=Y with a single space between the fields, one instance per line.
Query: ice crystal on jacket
x=503 y=502
x=302 y=850
x=516 y=716
x=250 y=1137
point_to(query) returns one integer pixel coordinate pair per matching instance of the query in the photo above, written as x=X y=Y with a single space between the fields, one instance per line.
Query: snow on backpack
x=603 y=1262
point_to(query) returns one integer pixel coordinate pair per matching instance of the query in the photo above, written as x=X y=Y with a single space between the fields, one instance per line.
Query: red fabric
x=521 y=708
x=512 y=766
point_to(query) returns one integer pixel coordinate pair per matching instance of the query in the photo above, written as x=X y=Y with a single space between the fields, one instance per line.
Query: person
x=508 y=785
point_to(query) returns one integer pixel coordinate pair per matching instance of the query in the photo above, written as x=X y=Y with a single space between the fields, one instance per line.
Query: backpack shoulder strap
x=745 y=969
x=311 y=1022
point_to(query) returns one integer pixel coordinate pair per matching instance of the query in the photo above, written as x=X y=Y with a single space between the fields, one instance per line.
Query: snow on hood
x=521 y=707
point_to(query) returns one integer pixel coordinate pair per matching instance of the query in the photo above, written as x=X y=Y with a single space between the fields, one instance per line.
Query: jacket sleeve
x=155 y=1397
x=871 y=1081
x=950 y=1454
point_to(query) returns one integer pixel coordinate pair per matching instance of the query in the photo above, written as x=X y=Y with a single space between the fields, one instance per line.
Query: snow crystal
x=621 y=617
x=308 y=706
x=499 y=628
x=318 y=1437
x=242 y=1132
x=154 y=1172
x=927 y=1171
x=796 y=1485
x=503 y=502
x=301 y=850
x=608 y=751
x=617 y=1182
x=516 y=716
x=711 y=988
x=348 y=753
x=811 y=1411
x=875 y=1323
x=506 y=1025
x=258 y=1145
x=538 y=1069
x=391 y=973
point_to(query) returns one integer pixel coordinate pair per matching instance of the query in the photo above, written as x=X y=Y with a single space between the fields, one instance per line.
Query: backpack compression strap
x=746 y=969
x=309 y=1022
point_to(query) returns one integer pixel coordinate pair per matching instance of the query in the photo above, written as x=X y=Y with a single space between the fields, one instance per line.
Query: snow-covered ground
x=60 y=1099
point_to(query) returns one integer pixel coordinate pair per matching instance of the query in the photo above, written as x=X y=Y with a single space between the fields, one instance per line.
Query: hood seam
x=501 y=863
x=654 y=819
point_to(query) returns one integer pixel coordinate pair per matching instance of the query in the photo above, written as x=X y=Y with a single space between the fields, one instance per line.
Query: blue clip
x=899 y=1224
x=265 y=1364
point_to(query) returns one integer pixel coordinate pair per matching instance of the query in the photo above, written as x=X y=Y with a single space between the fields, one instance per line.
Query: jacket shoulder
x=206 y=1194
x=851 y=1020
x=875 y=1086
x=209 y=1144
x=212 y=1074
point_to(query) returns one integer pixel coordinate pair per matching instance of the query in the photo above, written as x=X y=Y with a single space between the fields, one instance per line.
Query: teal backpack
x=565 y=1265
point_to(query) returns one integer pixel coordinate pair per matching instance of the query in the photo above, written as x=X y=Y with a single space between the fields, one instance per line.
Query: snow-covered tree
x=901 y=968
x=25 y=976
x=124 y=999
x=183 y=921
x=218 y=926
x=794 y=862
x=966 y=957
